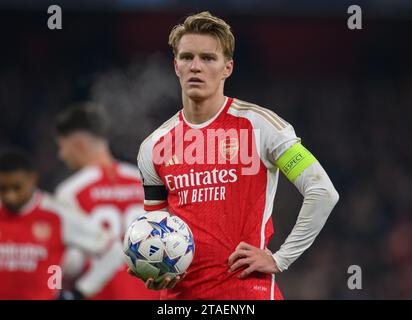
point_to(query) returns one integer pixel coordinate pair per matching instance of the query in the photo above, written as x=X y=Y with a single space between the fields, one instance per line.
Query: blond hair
x=204 y=23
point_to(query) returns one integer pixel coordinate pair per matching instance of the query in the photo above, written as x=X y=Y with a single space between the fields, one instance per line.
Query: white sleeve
x=80 y=231
x=277 y=142
x=66 y=192
x=77 y=229
x=145 y=164
x=90 y=237
x=155 y=192
x=272 y=133
x=73 y=263
x=102 y=270
x=320 y=198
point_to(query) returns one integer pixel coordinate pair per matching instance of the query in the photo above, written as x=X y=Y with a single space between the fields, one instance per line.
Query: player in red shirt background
x=216 y=165
x=35 y=230
x=108 y=190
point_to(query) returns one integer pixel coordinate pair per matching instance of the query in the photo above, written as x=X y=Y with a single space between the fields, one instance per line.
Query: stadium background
x=347 y=93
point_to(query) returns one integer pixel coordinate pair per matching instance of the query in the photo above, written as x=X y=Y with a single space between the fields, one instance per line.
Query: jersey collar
x=221 y=112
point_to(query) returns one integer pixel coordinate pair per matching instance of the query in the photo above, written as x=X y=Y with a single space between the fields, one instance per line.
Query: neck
x=199 y=111
x=100 y=157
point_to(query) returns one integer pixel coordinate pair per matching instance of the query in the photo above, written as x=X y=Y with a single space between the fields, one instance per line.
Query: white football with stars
x=158 y=244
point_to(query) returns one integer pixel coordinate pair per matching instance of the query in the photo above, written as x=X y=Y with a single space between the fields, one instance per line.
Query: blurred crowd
x=348 y=97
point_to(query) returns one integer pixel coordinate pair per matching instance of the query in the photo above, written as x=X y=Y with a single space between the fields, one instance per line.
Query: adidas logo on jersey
x=174 y=160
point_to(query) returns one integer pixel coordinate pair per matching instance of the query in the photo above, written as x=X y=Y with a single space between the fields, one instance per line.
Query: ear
x=228 y=69
x=80 y=142
x=34 y=178
x=176 y=69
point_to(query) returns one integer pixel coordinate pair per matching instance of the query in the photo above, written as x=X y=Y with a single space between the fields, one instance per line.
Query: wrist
x=275 y=265
x=277 y=269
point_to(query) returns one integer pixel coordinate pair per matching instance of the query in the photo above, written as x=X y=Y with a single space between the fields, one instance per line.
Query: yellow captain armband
x=294 y=160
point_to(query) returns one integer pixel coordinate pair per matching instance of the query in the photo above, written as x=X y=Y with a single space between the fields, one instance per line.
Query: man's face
x=70 y=149
x=16 y=188
x=201 y=66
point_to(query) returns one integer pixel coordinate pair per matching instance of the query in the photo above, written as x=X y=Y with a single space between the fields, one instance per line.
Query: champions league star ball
x=158 y=244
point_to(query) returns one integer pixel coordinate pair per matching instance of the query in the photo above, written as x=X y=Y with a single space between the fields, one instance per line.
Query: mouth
x=195 y=80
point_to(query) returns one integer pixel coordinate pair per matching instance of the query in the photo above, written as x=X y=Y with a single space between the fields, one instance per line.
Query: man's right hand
x=166 y=283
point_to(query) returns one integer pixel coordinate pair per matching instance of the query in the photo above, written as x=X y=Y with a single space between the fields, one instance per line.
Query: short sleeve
x=282 y=149
x=277 y=142
x=273 y=134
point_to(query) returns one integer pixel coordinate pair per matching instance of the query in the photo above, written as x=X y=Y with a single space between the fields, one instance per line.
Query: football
x=158 y=244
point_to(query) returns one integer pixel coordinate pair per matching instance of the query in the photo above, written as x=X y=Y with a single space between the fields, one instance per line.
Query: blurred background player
x=108 y=190
x=35 y=230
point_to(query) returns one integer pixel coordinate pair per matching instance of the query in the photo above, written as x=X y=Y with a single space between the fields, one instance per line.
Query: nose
x=195 y=66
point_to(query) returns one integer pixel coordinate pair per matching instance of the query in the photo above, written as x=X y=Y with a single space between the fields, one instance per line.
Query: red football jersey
x=219 y=177
x=113 y=197
x=34 y=239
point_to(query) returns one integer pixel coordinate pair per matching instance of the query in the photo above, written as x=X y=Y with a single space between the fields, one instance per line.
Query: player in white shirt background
x=108 y=190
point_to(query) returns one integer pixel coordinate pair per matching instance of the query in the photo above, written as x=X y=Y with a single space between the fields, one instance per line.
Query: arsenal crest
x=41 y=231
x=228 y=148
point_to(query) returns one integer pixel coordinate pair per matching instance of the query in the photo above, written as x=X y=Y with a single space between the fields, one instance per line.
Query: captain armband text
x=294 y=161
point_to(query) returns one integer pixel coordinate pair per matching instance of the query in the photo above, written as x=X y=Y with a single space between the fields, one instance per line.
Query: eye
x=208 y=58
x=186 y=57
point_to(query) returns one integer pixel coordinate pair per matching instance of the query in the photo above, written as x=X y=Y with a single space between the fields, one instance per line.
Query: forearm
x=320 y=198
x=102 y=270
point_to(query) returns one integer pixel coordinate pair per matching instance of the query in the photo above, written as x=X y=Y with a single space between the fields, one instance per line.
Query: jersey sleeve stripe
x=264 y=115
x=153 y=207
x=282 y=123
x=268 y=111
x=269 y=115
